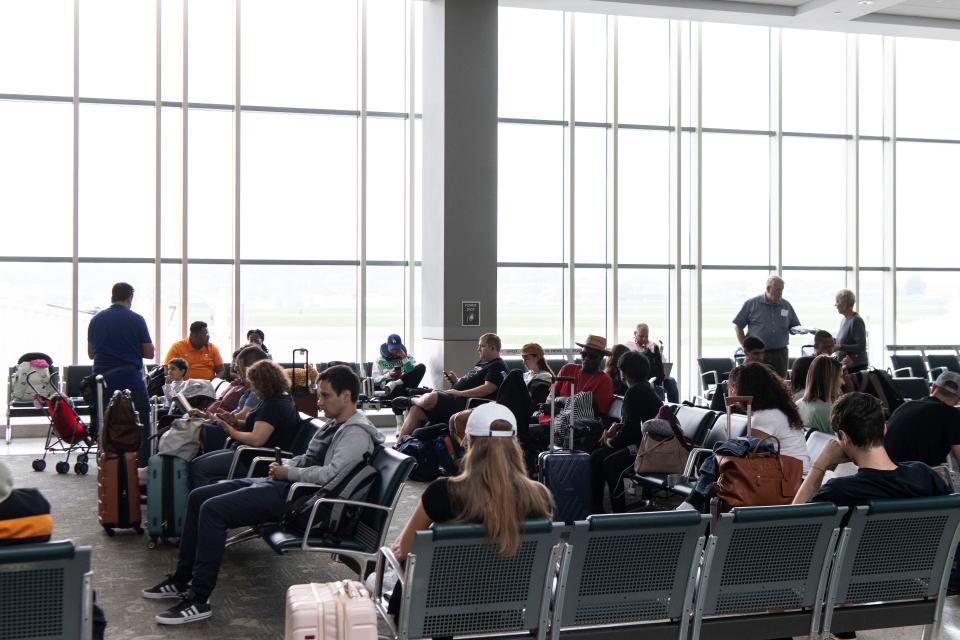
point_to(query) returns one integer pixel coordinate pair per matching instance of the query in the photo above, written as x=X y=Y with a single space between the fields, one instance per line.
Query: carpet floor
x=249 y=599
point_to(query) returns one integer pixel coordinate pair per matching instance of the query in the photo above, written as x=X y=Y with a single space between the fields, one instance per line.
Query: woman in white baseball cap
x=493 y=489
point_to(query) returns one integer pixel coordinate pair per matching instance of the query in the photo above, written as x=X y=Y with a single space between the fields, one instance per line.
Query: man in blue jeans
x=332 y=453
x=118 y=341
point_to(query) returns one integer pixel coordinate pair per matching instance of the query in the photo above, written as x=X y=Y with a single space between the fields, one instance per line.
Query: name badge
x=784 y=313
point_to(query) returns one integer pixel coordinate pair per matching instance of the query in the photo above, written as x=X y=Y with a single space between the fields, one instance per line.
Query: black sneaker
x=189 y=610
x=166 y=589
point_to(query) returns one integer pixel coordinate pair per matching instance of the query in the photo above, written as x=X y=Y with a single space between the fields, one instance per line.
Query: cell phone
x=276 y=455
x=398 y=369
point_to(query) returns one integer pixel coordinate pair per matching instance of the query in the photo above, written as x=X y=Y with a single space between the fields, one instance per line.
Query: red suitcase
x=118 y=492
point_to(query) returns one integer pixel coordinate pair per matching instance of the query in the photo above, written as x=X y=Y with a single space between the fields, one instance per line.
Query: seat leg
x=931 y=632
x=7 y=434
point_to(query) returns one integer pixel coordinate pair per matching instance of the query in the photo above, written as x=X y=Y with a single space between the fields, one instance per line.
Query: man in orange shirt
x=201 y=354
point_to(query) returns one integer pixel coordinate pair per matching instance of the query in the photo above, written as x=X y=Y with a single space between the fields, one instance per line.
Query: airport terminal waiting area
x=811 y=570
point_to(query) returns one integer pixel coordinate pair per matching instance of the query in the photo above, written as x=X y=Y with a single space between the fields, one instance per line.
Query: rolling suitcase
x=118 y=495
x=168 y=486
x=331 y=611
x=566 y=473
x=304 y=395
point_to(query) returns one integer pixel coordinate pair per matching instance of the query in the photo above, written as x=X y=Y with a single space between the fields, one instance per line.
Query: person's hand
x=279 y=471
x=831 y=456
x=227 y=417
x=223 y=424
x=394 y=373
x=451 y=377
x=395 y=548
x=198 y=413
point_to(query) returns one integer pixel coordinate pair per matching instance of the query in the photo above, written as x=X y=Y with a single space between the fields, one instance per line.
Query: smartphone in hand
x=278 y=458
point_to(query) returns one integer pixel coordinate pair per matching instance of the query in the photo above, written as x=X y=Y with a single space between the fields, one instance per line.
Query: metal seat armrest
x=246 y=453
x=471 y=402
x=936 y=371
x=261 y=462
x=704 y=383
x=306 y=546
x=909 y=371
x=701 y=401
x=297 y=486
x=694 y=460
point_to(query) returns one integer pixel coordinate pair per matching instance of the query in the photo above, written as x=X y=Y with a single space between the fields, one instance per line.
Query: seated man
x=334 y=451
x=823 y=343
x=857 y=419
x=927 y=430
x=753 y=350
x=589 y=375
x=483 y=381
x=396 y=369
x=201 y=354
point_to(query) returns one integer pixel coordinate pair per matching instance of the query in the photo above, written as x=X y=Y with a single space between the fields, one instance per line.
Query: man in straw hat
x=589 y=375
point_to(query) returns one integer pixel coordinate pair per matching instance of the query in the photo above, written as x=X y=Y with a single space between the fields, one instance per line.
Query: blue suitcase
x=168 y=486
x=566 y=473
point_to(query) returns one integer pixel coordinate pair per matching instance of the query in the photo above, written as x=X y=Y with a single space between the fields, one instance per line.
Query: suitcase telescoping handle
x=306 y=357
x=99 y=384
x=553 y=408
x=747 y=402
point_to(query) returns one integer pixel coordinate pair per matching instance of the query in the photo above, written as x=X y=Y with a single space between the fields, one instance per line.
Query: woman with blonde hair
x=493 y=490
x=823 y=388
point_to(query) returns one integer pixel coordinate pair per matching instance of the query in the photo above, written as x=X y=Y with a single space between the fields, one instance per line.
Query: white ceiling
x=916 y=18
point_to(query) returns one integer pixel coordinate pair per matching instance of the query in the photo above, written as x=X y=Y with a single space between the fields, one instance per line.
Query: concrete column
x=459 y=179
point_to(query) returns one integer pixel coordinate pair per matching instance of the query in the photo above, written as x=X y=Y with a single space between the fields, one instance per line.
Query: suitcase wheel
x=109 y=530
x=83 y=458
x=63 y=467
x=81 y=468
x=39 y=464
x=139 y=530
x=152 y=543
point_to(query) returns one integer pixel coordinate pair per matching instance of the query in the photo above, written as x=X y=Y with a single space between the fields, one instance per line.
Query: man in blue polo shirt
x=117 y=341
x=772 y=319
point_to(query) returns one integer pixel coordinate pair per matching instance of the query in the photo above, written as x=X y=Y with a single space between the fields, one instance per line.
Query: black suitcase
x=566 y=473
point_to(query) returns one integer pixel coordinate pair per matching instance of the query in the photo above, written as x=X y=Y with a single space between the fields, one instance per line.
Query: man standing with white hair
x=772 y=319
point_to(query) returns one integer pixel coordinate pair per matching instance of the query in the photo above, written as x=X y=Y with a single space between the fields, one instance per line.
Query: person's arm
x=856 y=338
x=741 y=321
x=477 y=392
x=955 y=450
x=146 y=344
x=604 y=395
x=90 y=350
x=740 y=335
x=257 y=438
x=217 y=361
x=831 y=456
x=419 y=521
x=348 y=449
x=148 y=350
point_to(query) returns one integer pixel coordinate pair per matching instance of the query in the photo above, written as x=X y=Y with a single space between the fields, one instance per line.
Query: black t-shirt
x=923 y=430
x=438 y=504
x=280 y=412
x=908 y=480
x=493 y=371
x=640 y=403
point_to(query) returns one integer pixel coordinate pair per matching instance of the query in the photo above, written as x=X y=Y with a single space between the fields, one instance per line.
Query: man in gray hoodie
x=332 y=453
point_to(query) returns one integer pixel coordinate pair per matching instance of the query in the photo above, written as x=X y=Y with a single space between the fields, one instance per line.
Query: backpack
x=338 y=521
x=448 y=454
x=121 y=424
x=877 y=383
x=425 y=453
x=39 y=372
x=155 y=380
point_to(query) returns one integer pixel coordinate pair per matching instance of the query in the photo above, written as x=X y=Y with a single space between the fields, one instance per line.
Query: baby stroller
x=67 y=432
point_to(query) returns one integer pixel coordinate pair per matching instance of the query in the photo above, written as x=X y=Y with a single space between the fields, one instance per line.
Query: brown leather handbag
x=759 y=478
x=660 y=456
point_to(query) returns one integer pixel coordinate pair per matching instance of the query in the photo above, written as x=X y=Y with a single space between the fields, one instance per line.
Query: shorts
x=446 y=406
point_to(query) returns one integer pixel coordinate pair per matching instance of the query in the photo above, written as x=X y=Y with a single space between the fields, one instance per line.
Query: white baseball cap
x=481 y=418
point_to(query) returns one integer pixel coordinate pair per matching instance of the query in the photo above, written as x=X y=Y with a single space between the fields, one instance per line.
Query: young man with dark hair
x=753 y=350
x=211 y=510
x=203 y=356
x=823 y=343
x=482 y=381
x=857 y=419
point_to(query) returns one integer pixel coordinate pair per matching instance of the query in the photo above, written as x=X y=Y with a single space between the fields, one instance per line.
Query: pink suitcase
x=331 y=611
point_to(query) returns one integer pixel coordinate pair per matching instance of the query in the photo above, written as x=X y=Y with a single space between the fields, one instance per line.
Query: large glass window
x=736 y=76
x=928 y=88
x=530 y=64
x=530 y=306
x=814 y=94
x=927 y=197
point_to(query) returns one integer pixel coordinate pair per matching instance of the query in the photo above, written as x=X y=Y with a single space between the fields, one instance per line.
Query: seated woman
x=492 y=491
x=774 y=412
x=798 y=376
x=618 y=444
x=537 y=374
x=255 y=338
x=274 y=423
x=613 y=368
x=823 y=388
x=396 y=371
